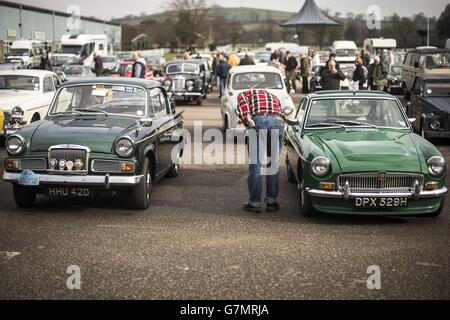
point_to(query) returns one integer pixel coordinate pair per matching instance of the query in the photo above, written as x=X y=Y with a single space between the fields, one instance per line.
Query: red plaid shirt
x=258 y=101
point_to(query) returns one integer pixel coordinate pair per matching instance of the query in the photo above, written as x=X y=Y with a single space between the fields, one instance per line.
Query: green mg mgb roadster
x=356 y=153
x=100 y=136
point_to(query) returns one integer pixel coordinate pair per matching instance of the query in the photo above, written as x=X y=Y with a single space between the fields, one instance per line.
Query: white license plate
x=376 y=203
x=69 y=192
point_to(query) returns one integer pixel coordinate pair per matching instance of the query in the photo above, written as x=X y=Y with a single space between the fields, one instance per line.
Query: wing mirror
x=62 y=76
x=288 y=111
x=146 y=122
x=412 y=120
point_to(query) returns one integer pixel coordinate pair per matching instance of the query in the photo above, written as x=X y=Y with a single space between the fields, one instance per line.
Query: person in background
x=276 y=52
x=98 y=65
x=305 y=71
x=45 y=62
x=291 y=65
x=390 y=59
x=359 y=78
x=139 y=66
x=332 y=58
x=315 y=57
x=377 y=75
x=275 y=62
x=247 y=60
x=331 y=77
x=215 y=64
x=367 y=57
x=262 y=112
x=223 y=70
x=233 y=60
x=187 y=55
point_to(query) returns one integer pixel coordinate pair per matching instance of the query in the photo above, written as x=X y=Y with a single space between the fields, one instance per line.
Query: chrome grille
x=33 y=164
x=371 y=182
x=69 y=153
x=178 y=84
x=106 y=166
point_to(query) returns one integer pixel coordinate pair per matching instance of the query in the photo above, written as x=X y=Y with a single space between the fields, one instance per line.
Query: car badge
x=62 y=164
x=53 y=163
x=69 y=165
x=381 y=176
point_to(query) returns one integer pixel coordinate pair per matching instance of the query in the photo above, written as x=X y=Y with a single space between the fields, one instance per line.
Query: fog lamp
x=435 y=124
x=431 y=186
x=327 y=186
x=12 y=164
x=127 y=167
x=78 y=164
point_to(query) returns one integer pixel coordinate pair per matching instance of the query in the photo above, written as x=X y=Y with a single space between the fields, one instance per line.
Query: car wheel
x=141 y=193
x=290 y=173
x=175 y=169
x=24 y=197
x=198 y=101
x=306 y=208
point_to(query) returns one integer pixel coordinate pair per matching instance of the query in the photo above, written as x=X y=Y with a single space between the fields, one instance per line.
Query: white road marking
x=427 y=264
x=9 y=255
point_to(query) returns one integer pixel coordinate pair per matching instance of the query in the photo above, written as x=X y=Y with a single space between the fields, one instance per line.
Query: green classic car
x=100 y=136
x=356 y=153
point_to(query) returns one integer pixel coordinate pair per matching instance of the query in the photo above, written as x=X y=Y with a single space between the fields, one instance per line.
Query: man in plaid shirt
x=262 y=113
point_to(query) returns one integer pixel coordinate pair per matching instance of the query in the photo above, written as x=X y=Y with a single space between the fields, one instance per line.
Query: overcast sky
x=105 y=9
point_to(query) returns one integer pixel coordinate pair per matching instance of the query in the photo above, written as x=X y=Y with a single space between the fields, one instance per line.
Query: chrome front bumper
x=106 y=181
x=187 y=94
x=346 y=195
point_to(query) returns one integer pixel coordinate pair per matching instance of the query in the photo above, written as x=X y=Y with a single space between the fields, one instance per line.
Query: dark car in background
x=187 y=80
x=430 y=105
x=75 y=72
x=59 y=60
x=394 y=84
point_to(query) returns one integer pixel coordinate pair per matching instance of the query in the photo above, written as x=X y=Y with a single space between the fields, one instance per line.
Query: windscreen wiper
x=92 y=111
x=327 y=125
x=355 y=123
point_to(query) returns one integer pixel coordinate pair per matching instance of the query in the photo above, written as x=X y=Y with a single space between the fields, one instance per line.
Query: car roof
x=254 y=68
x=114 y=81
x=350 y=94
x=428 y=50
x=434 y=76
x=27 y=72
x=194 y=61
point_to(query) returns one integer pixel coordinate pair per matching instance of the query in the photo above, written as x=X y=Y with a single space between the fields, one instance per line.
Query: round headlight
x=190 y=85
x=17 y=111
x=320 y=166
x=15 y=144
x=436 y=166
x=435 y=124
x=124 y=147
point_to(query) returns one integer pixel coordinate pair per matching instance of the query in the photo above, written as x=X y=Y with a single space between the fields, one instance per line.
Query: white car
x=244 y=78
x=25 y=96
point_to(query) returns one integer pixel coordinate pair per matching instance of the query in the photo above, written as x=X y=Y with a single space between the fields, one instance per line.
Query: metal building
x=24 y=22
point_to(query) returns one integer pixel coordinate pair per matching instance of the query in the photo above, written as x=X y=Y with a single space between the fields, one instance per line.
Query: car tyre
x=141 y=193
x=175 y=169
x=306 y=208
x=198 y=101
x=290 y=173
x=24 y=197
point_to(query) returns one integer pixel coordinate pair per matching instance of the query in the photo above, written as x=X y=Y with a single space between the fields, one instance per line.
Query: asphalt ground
x=195 y=242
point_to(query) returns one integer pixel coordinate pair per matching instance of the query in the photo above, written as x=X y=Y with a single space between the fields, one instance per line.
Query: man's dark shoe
x=249 y=208
x=272 y=207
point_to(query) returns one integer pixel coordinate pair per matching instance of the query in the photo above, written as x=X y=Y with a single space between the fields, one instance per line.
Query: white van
x=27 y=50
x=345 y=51
x=294 y=48
x=85 y=45
x=379 y=44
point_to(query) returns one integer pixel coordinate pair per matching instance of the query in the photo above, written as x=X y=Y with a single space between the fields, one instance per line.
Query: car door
x=164 y=119
x=416 y=105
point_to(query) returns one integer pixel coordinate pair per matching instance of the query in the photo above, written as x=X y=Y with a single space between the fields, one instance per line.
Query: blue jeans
x=222 y=84
x=266 y=139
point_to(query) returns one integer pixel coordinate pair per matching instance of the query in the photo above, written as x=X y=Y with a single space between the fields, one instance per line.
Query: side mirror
x=146 y=122
x=288 y=111
x=61 y=76
x=412 y=120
